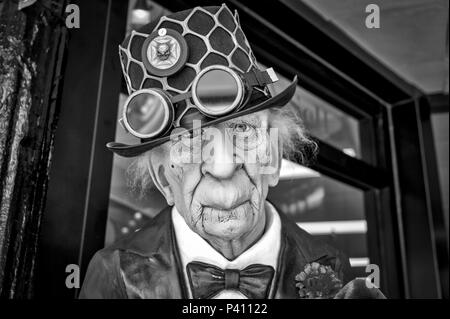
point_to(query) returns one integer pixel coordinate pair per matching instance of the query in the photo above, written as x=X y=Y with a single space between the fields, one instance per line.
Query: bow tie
x=207 y=280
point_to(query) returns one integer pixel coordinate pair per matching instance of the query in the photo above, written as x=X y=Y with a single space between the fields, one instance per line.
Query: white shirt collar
x=192 y=247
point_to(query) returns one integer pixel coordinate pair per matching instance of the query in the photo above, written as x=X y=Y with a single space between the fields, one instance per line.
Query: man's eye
x=242 y=128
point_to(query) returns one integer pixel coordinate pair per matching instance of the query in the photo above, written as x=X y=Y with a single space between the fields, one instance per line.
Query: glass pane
x=325 y=121
x=439 y=123
x=128 y=210
x=322 y=206
x=326 y=208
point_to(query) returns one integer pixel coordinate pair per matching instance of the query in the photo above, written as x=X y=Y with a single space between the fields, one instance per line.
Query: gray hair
x=297 y=147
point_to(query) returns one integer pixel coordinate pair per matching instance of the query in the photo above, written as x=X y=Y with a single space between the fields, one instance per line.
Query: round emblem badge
x=164 y=52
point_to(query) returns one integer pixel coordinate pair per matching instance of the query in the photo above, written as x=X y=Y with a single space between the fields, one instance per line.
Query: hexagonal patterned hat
x=205 y=36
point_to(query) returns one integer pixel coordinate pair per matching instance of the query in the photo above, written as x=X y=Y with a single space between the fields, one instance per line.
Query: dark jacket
x=146 y=264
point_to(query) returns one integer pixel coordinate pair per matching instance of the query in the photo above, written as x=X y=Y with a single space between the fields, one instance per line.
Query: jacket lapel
x=150 y=266
x=297 y=249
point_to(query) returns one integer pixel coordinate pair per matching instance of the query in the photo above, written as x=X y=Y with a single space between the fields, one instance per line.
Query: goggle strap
x=256 y=77
x=181 y=97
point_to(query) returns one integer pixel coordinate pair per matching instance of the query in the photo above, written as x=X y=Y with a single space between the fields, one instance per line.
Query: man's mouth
x=222 y=214
x=223 y=207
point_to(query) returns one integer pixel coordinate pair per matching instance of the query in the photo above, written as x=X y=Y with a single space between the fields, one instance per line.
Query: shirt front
x=192 y=247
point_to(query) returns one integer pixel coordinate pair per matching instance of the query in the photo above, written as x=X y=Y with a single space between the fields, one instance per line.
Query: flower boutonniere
x=317 y=281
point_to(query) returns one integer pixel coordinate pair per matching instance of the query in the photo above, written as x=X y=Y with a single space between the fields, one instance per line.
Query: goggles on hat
x=217 y=90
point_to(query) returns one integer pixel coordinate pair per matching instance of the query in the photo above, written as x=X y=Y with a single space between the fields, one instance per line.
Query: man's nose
x=219 y=160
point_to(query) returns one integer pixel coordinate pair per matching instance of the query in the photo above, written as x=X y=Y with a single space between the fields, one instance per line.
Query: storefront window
x=330 y=210
x=322 y=206
x=324 y=121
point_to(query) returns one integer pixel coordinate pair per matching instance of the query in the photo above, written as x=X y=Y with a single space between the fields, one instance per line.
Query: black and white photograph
x=198 y=150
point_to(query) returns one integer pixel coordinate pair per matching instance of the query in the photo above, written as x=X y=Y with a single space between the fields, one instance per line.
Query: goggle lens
x=217 y=91
x=147 y=113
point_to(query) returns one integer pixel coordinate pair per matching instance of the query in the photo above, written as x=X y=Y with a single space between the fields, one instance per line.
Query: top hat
x=168 y=54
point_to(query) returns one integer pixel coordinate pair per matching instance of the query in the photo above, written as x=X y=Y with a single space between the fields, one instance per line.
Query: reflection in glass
x=217 y=91
x=326 y=208
x=324 y=121
x=128 y=210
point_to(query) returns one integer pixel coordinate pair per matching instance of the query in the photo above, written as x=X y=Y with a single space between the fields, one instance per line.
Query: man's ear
x=156 y=169
x=276 y=154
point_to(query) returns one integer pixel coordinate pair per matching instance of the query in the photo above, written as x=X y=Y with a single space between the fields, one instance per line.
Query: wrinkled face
x=219 y=179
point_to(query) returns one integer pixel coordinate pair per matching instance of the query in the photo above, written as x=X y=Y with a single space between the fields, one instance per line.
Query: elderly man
x=212 y=138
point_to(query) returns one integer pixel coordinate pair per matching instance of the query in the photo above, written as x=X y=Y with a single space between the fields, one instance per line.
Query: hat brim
x=279 y=100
